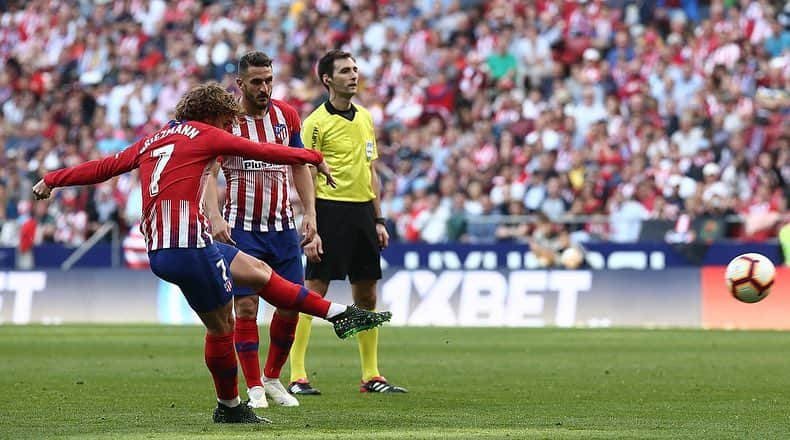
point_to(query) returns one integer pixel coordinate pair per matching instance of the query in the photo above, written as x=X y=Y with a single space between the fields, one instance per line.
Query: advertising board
x=519 y=298
x=721 y=310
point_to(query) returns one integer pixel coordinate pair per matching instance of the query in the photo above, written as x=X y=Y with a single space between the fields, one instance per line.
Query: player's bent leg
x=249 y=272
x=347 y=320
x=201 y=276
x=246 y=340
x=255 y=274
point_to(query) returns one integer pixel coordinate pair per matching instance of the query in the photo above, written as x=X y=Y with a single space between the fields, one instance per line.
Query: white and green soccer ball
x=750 y=277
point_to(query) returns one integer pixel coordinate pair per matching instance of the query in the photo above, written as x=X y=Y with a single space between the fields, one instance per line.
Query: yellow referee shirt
x=348 y=143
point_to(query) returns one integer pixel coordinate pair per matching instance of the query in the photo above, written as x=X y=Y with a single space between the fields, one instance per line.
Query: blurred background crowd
x=543 y=121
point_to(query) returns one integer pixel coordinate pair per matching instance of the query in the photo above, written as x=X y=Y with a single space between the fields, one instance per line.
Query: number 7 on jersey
x=163 y=155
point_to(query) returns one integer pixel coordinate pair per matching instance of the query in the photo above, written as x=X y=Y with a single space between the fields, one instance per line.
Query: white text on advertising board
x=484 y=297
x=23 y=285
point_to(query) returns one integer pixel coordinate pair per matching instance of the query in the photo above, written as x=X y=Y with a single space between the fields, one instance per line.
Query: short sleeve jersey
x=348 y=142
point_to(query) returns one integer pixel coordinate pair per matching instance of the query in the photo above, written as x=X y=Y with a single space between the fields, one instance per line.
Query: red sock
x=246 y=338
x=282 y=293
x=221 y=362
x=281 y=338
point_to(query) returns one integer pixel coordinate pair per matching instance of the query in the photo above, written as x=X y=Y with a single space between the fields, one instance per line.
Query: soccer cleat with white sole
x=379 y=384
x=276 y=391
x=303 y=387
x=257 y=397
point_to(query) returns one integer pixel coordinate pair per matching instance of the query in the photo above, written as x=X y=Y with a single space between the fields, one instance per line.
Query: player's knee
x=246 y=306
x=264 y=270
x=219 y=323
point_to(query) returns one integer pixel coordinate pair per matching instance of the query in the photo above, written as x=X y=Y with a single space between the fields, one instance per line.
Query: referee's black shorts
x=348 y=233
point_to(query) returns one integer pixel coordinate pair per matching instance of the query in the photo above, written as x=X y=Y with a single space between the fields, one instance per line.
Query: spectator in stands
x=506 y=84
x=457 y=222
x=502 y=64
x=549 y=243
x=762 y=213
x=479 y=229
x=554 y=204
x=516 y=229
x=626 y=215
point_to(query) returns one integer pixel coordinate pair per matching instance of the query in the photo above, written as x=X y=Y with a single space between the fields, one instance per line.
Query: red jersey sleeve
x=95 y=171
x=224 y=143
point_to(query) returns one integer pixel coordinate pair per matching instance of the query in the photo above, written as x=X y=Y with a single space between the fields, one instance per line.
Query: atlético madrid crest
x=279 y=130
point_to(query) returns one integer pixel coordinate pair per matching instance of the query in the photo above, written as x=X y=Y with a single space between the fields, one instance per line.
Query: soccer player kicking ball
x=174 y=163
x=258 y=220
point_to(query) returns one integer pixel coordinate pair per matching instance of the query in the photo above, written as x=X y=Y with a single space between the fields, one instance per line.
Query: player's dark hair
x=253 y=58
x=326 y=65
x=206 y=102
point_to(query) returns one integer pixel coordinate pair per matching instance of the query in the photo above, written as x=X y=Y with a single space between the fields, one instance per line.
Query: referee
x=349 y=221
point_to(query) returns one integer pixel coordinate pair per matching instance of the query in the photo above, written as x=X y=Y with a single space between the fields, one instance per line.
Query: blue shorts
x=279 y=249
x=202 y=274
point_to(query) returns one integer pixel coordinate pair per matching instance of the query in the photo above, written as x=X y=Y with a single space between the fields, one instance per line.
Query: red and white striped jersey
x=257 y=195
x=174 y=164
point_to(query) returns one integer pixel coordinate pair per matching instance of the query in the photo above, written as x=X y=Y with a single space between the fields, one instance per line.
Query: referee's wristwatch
x=381 y=221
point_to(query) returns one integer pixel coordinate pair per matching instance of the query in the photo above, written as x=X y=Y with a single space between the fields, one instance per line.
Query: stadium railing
x=107 y=228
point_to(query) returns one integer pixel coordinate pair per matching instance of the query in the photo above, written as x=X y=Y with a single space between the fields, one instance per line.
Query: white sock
x=335 y=309
x=232 y=403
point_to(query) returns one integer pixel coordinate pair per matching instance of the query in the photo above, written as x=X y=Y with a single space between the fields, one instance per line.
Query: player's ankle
x=232 y=403
x=335 y=309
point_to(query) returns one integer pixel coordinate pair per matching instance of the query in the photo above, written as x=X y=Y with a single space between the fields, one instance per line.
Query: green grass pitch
x=149 y=382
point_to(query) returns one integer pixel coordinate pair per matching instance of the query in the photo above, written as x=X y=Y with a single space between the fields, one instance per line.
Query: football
x=750 y=277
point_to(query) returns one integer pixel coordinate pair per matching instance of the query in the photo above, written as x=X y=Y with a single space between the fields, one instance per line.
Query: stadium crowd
x=590 y=116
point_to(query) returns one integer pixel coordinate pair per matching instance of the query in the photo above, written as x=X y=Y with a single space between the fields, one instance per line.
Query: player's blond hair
x=206 y=102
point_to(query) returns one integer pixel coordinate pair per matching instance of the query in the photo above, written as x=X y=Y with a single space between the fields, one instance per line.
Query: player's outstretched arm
x=88 y=173
x=225 y=143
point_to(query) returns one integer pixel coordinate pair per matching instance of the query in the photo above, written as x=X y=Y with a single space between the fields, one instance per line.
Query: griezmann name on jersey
x=174 y=164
